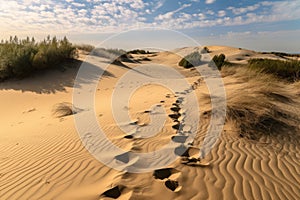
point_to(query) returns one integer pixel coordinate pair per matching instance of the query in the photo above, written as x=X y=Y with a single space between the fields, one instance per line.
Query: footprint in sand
x=175 y=116
x=179 y=138
x=176 y=126
x=173 y=185
x=114 y=192
x=128 y=137
x=191 y=156
x=166 y=173
x=169 y=175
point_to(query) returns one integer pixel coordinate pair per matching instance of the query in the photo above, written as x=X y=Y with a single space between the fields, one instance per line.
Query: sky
x=258 y=25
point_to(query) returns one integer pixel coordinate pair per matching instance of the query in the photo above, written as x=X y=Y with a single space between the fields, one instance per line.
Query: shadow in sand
x=52 y=81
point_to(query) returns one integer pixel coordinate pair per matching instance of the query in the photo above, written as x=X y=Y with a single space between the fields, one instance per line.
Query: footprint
x=123 y=157
x=175 y=109
x=173 y=185
x=114 y=192
x=179 y=100
x=176 y=126
x=166 y=173
x=128 y=136
x=181 y=151
x=195 y=162
x=175 y=116
x=179 y=138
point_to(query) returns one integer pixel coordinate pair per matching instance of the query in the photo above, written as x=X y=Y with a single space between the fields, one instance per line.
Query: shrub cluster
x=219 y=61
x=85 y=47
x=18 y=58
x=281 y=54
x=191 y=60
x=289 y=70
x=139 y=51
x=205 y=50
x=114 y=55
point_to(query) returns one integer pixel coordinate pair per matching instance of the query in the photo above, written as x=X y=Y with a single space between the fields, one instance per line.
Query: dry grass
x=64 y=109
x=260 y=104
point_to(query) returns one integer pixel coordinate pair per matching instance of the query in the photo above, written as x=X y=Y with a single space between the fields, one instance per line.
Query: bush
x=139 y=51
x=288 y=70
x=84 y=47
x=205 y=50
x=219 y=61
x=114 y=55
x=191 y=60
x=18 y=58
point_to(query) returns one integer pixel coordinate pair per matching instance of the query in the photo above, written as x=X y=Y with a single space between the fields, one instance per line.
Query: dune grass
x=139 y=51
x=19 y=58
x=288 y=70
x=84 y=47
x=64 y=109
x=259 y=104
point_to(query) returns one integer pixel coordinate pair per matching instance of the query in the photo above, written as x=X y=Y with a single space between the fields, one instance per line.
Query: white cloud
x=169 y=15
x=238 y=11
x=118 y=15
x=221 y=13
x=159 y=4
x=78 y=4
x=210 y=12
x=209 y=1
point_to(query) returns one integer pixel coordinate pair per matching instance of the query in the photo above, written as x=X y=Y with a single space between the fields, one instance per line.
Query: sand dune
x=42 y=156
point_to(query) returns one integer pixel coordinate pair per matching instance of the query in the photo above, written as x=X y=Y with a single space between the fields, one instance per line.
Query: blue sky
x=258 y=25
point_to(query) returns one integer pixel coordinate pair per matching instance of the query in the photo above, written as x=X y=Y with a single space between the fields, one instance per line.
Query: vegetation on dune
x=64 y=109
x=84 y=47
x=114 y=55
x=190 y=60
x=139 y=51
x=18 y=58
x=219 y=61
x=261 y=104
x=288 y=70
x=281 y=54
x=205 y=50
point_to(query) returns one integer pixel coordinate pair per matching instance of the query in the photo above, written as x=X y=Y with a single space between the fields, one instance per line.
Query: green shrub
x=114 y=55
x=191 y=60
x=84 y=47
x=205 y=50
x=139 y=51
x=219 y=61
x=18 y=58
x=289 y=70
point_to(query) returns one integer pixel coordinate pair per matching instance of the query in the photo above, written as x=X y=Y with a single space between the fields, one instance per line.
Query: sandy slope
x=42 y=156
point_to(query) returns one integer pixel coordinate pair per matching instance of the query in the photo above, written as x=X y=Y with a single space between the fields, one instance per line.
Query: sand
x=42 y=156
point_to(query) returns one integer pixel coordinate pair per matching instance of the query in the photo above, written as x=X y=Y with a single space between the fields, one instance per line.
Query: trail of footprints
x=189 y=155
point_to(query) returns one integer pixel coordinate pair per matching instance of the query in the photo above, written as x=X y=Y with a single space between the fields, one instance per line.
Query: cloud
x=78 y=4
x=159 y=4
x=221 y=13
x=238 y=11
x=209 y=1
x=118 y=15
x=169 y=15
